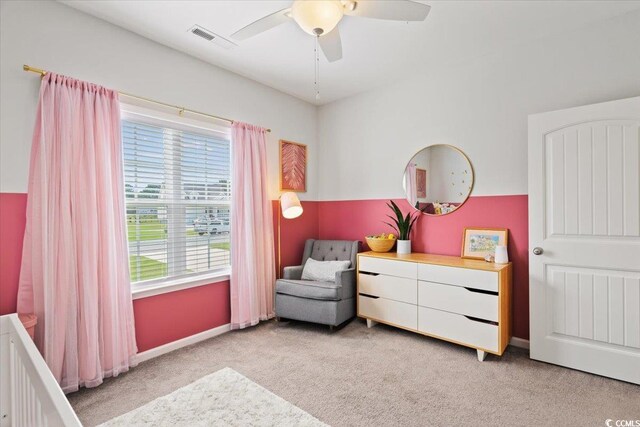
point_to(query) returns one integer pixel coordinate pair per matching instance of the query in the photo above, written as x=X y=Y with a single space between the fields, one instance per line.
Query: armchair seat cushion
x=328 y=291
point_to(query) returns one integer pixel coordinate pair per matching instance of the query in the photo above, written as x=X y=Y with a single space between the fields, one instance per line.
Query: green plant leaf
x=396 y=209
x=404 y=223
x=407 y=221
x=392 y=226
x=394 y=220
x=390 y=206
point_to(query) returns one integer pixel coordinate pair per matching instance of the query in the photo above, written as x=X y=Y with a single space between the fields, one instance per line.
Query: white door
x=584 y=234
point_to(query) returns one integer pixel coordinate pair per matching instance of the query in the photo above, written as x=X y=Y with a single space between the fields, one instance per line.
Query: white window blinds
x=177 y=188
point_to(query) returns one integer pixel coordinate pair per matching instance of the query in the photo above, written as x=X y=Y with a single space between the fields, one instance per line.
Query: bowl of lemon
x=381 y=242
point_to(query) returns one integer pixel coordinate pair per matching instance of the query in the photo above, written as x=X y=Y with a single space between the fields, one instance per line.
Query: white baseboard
x=519 y=342
x=174 y=345
x=205 y=335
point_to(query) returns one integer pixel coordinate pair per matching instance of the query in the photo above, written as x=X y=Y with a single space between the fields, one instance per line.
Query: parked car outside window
x=210 y=224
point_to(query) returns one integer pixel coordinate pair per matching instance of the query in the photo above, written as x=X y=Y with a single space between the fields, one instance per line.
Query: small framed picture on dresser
x=479 y=242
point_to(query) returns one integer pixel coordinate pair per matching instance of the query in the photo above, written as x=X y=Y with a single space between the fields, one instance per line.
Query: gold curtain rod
x=177 y=107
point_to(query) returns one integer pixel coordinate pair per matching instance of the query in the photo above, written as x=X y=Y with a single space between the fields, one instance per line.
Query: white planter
x=404 y=247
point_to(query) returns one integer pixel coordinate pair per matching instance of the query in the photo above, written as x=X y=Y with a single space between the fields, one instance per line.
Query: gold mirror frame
x=473 y=179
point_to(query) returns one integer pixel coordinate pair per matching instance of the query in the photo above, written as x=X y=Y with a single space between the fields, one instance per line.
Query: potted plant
x=403 y=224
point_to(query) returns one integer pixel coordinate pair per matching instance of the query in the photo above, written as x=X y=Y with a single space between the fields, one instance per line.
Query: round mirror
x=438 y=179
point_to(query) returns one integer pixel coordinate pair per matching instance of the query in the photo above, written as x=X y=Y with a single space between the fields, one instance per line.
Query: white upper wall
x=375 y=50
x=480 y=106
x=53 y=36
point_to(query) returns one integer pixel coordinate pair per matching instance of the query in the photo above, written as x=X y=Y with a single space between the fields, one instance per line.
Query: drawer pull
x=369 y=273
x=481 y=291
x=476 y=319
x=369 y=296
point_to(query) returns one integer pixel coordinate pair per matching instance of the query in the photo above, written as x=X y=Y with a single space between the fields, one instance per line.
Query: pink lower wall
x=295 y=232
x=164 y=318
x=355 y=219
x=168 y=317
x=12 y=221
x=159 y=319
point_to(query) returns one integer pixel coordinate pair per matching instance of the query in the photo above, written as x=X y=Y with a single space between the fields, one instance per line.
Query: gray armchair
x=327 y=303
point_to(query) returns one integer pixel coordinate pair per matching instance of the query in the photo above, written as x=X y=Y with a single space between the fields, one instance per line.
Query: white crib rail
x=31 y=396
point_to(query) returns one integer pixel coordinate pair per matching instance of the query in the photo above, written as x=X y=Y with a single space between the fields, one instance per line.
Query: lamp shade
x=290 y=205
x=317 y=17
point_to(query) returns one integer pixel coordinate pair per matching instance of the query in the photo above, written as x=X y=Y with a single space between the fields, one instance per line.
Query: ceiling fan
x=321 y=17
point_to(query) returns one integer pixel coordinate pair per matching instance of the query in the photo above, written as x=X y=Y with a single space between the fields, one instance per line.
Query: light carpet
x=381 y=376
x=225 y=398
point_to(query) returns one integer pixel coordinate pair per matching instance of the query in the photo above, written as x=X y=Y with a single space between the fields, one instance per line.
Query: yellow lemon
x=391 y=236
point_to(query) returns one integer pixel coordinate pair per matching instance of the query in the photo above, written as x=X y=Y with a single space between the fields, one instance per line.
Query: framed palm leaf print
x=293 y=166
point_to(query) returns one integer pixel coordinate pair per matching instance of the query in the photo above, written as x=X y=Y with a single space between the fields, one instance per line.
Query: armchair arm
x=293 y=272
x=347 y=279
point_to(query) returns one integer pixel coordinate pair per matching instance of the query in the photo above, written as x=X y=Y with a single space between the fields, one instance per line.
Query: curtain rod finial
x=26 y=67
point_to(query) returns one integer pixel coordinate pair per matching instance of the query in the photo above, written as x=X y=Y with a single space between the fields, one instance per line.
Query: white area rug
x=224 y=398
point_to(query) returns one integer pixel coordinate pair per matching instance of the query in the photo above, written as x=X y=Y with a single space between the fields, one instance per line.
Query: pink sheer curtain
x=252 y=255
x=411 y=184
x=75 y=267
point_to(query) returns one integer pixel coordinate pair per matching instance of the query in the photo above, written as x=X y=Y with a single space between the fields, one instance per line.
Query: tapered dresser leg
x=481 y=355
x=371 y=323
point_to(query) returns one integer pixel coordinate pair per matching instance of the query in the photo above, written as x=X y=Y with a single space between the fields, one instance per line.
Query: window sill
x=180 y=284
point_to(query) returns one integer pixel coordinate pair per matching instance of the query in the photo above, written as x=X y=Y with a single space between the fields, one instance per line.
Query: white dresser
x=464 y=301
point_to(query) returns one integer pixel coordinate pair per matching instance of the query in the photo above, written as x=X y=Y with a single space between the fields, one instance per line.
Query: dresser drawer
x=466 y=277
x=457 y=327
x=457 y=299
x=405 y=269
x=386 y=310
x=391 y=287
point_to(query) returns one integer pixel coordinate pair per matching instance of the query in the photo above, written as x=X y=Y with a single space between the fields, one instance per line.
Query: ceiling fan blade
x=331 y=45
x=263 y=24
x=394 y=10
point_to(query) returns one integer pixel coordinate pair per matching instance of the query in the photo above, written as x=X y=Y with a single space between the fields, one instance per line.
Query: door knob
x=538 y=251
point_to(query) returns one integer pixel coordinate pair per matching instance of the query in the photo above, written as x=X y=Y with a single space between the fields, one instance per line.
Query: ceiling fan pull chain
x=317 y=68
x=321 y=19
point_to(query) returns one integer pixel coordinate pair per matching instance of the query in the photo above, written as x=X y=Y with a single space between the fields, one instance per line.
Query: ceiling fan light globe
x=317 y=17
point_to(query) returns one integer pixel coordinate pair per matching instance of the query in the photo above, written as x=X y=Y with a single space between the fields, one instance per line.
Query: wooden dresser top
x=451 y=261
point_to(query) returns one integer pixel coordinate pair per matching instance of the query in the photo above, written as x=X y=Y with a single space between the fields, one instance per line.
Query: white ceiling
x=375 y=52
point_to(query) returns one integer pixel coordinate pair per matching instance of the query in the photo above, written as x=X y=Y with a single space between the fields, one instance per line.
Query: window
x=177 y=189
